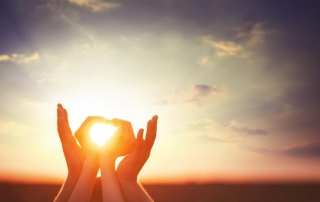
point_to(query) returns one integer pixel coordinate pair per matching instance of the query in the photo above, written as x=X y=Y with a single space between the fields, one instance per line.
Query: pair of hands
x=120 y=144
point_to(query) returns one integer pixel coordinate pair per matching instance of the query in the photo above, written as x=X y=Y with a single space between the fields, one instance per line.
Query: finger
x=59 y=112
x=91 y=120
x=128 y=131
x=149 y=135
x=59 y=115
x=117 y=136
x=139 y=142
x=65 y=116
x=155 y=124
x=115 y=122
x=121 y=129
x=119 y=124
x=61 y=129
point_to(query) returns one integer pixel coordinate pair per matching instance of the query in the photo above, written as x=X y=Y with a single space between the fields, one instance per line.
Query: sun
x=100 y=133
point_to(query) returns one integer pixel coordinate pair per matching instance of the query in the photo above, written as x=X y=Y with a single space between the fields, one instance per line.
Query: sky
x=234 y=83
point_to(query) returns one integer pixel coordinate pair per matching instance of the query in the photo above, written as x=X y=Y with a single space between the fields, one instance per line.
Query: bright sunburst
x=100 y=133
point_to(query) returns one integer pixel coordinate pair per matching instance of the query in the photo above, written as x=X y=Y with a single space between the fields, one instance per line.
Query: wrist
x=107 y=158
x=107 y=161
x=90 y=163
x=125 y=179
x=74 y=173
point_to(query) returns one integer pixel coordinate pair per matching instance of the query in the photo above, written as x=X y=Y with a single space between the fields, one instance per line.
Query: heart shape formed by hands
x=114 y=137
x=101 y=133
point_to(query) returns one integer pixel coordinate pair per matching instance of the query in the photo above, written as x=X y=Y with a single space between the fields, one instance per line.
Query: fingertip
x=155 y=117
x=140 y=140
x=59 y=105
x=140 y=133
x=115 y=122
x=59 y=112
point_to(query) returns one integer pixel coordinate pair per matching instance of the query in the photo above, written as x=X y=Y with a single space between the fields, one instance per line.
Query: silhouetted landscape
x=279 y=192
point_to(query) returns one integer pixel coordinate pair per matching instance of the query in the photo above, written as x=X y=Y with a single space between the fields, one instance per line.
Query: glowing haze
x=100 y=133
x=235 y=85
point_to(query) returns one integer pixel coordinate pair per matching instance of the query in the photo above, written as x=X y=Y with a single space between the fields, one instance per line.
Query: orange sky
x=235 y=91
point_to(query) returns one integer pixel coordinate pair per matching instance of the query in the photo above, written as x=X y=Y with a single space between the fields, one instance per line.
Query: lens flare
x=100 y=133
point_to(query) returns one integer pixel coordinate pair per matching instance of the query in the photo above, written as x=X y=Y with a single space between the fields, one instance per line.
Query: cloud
x=208 y=130
x=249 y=131
x=197 y=94
x=4 y=58
x=246 y=37
x=200 y=92
x=203 y=90
x=207 y=139
x=253 y=33
x=306 y=150
x=257 y=150
x=96 y=5
x=20 y=58
x=224 y=48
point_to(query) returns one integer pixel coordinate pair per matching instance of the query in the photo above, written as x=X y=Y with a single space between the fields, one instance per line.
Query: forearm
x=133 y=191
x=83 y=189
x=67 y=188
x=111 y=190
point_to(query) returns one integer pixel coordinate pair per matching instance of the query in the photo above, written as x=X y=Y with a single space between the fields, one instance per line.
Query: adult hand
x=121 y=143
x=130 y=166
x=72 y=152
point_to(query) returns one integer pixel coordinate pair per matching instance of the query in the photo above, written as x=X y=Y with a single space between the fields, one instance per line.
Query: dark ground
x=179 y=193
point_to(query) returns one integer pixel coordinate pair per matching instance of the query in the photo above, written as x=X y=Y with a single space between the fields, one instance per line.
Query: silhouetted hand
x=73 y=154
x=121 y=143
x=130 y=166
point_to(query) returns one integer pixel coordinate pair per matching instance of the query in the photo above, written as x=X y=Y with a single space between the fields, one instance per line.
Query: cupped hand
x=72 y=152
x=83 y=135
x=129 y=168
x=121 y=143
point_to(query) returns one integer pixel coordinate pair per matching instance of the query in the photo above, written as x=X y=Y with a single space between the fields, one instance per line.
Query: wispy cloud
x=246 y=37
x=249 y=131
x=225 y=48
x=96 y=5
x=214 y=131
x=4 y=58
x=252 y=33
x=20 y=58
x=305 y=150
x=197 y=94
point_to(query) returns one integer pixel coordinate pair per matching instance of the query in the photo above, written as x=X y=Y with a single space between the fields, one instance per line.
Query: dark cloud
x=200 y=92
x=203 y=90
x=308 y=150
x=249 y=131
